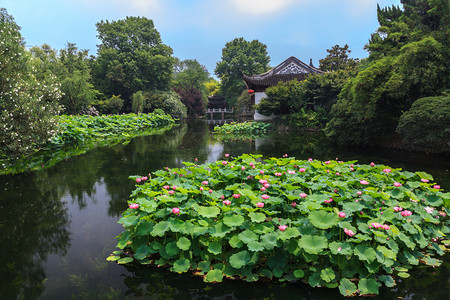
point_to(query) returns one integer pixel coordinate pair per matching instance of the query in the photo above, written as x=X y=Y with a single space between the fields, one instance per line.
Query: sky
x=199 y=29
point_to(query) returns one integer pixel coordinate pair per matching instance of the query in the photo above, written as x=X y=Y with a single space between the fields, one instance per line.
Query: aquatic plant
x=243 y=128
x=335 y=224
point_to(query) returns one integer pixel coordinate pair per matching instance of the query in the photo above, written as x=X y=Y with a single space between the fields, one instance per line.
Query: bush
x=306 y=119
x=322 y=222
x=138 y=103
x=110 y=106
x=426 y=126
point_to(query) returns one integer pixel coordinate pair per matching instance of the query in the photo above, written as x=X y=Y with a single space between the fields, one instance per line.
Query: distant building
x=217 y=101
x=290 y=69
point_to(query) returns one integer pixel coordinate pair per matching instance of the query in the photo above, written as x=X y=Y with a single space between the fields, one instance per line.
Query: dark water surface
x=57 y=225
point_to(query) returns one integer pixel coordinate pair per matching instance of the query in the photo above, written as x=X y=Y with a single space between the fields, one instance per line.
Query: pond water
x=57 y=225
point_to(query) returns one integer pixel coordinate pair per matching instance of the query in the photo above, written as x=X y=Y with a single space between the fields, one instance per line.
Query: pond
x=57 y=225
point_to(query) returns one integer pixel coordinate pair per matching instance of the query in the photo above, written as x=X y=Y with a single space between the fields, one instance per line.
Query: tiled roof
x=292 y=68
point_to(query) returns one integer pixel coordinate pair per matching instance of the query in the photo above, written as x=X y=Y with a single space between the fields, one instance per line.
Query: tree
x=212 y=87
x=337 y=59
x=131 y=58
x=193 y=100
x=189 y=74
x=240 y=56
x=27 y=106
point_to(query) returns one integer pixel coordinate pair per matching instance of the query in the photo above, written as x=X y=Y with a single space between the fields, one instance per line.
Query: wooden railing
x=220 y=110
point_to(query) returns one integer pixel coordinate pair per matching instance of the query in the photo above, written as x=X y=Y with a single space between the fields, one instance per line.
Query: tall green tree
x=240 y=56
x=131 y=58
x=27 y=105
x=337 y=59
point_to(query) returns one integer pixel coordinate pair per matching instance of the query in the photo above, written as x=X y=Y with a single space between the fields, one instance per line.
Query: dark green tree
x=337 y=59
x=189 y=74
x=240 y=56
x=131 y=58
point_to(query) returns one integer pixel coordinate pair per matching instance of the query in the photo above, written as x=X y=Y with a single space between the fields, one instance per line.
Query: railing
x=220 y=110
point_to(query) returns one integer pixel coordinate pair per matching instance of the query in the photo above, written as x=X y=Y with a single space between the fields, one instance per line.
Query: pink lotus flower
x=263 y=189
x=201 y=188
x=302 y=170
x=260 y=204
x=436 y=187
x=329 y=200
x=365 y=182
x=398 y=208
x=210 y=191
x=349 y=232
x=242 y=168
x=265 y=197
x=249 y=177
x=342 y=214
x=251 y=164
x=138 y=180
x=429 y=209
x=266 y=185
x=227 y=155
x=406 y=213
x=282 y=227
x=226 y=202
x=339 y=249
x=372 y=164
x=424 y=180
x=261 y=172
x=144 y=178
x=397 y=184
x=134 y=205
x=175 y=210
x=171 y=192
x=224 y=163
x=174 y=187
x=291 y=172
x=262 y=181
x=387 y=170
x=337 y=174
x=386 y=227
x=327 y=162
x=196 y=159
x=310 y=159
x=222 y=197
x=278 y=174
x=293 y=204
x=303 y=195
x=351 y=169
x=205 y=182
x=442 y=213
x=359 y=193
x=285 y=155
x=236 y=196
x=166 y=187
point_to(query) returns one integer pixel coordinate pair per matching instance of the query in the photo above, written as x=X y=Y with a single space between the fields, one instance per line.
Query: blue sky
x=199 y=29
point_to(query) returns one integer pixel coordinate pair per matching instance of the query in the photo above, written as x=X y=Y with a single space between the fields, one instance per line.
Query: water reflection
x=58 y=224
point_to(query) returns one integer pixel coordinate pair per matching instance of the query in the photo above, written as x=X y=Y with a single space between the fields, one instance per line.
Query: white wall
x=257 y=116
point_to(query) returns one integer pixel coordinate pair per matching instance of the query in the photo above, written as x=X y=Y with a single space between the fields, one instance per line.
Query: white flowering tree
x=27 y=106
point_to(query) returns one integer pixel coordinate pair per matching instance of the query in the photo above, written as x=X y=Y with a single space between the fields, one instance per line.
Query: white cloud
x=142 y=6
x=259 y=7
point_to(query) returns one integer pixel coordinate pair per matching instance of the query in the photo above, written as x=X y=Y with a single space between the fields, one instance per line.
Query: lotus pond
x=58 y=225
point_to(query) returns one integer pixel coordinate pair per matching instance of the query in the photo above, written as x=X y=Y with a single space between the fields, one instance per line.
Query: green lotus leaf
x=386 y=252
x=428 y=260
x=350 y=207
x=279 y=260
x=219 y=230
x=144 y=228
x=433 y=200
x=299 y=273
x=327 y=275
x=160 y=228
x=125 y=260
x=269 y=240
x=203 y=265
x=233 y=221
x=266 y=273
x=411 y=259
x=235 y=242
x=314 y=279
x=368 y=286
x=208 y=211
x=113 y=258
x=183 y=243
x=215 y=248
x=141 y=252
x=214 y=276
x=181 y=265
x=176 y=225
x=425 y=175
x=403 y=274
x=240 y=259
x=289 y=233
x=322 y=219
x=387 y=279
x=313 y=244
x=146 y=205
x=346 y=248
x=263 y=228
x=255 y=246
x=365 y=253
x=257 y=217
x=248 y=236
x=347 y=288
x=129 y=221
x=172 y=249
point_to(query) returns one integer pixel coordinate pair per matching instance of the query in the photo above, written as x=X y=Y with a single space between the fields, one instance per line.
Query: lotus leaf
x=322 y=219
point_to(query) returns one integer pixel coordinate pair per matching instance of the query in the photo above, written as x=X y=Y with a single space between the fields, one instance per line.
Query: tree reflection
x=34 y=224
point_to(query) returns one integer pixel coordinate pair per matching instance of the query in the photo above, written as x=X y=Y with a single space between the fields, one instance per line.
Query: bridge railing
x=219 y=110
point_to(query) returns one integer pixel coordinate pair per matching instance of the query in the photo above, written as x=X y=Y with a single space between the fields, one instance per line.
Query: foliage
x=81 y=129
x=193 y=100
x=427 y=124
x=112 y=105
x=190 y=74
x=306 y=120
x=244 y=104
x=409 y=59
x=169 y=101
x=212 y=87
x=337 y=59
x=243 y=128
x=322 y=222
x=138 y=103
x=131 y=58
x=27 y=105
x=240 y=56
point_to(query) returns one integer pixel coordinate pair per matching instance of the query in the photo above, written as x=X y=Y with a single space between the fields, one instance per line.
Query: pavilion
x=290 y=69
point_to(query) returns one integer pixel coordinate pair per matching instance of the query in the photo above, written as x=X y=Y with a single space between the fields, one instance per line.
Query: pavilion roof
x=290 y=69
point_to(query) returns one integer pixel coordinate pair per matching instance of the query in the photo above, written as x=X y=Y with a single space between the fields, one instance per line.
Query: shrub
x=427 y=124
x=321 y=222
